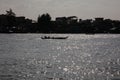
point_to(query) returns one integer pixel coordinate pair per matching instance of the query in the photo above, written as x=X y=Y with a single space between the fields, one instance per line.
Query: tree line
x=10 y=23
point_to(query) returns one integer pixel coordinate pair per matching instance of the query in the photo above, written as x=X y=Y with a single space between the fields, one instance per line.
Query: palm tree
x=10 y=12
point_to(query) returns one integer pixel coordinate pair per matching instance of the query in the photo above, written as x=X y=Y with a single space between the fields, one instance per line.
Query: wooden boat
x=45 y=37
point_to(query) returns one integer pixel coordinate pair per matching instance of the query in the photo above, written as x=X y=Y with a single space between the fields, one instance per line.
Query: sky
x=83 y=9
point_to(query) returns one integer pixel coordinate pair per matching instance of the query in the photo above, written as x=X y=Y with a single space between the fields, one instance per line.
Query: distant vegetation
x=10 y=23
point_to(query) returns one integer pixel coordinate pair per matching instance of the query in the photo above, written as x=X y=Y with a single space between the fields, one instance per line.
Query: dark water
x=80 y=57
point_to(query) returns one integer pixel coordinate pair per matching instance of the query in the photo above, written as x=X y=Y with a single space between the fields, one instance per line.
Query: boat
x=48 y=37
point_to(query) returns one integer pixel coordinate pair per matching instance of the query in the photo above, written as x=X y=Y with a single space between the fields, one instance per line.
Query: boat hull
x=54 y=37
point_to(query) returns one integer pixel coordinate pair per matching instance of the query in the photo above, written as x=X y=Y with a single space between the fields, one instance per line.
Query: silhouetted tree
x=44 y=19
x=44 y=22
x=10 y=13
x=11 y=19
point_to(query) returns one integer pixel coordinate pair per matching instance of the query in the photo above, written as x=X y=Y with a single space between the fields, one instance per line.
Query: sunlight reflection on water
x=80 y=57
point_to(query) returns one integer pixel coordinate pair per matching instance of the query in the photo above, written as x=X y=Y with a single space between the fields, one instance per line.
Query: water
x=80 y=57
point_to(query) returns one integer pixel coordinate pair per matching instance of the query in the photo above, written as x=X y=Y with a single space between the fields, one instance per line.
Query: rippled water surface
x=80 y=57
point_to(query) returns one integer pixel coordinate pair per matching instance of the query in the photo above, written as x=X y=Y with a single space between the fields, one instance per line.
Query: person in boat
x=46 y=37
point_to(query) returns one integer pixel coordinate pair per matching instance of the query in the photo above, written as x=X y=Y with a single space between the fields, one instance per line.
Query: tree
x=10 y=19
x=10 y=12
x=44 y=23
x=44 y=19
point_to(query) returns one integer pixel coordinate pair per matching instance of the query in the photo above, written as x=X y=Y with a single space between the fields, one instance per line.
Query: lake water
x=80 y=57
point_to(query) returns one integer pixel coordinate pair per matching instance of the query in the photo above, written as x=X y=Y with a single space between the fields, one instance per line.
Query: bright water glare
x=80 y=57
